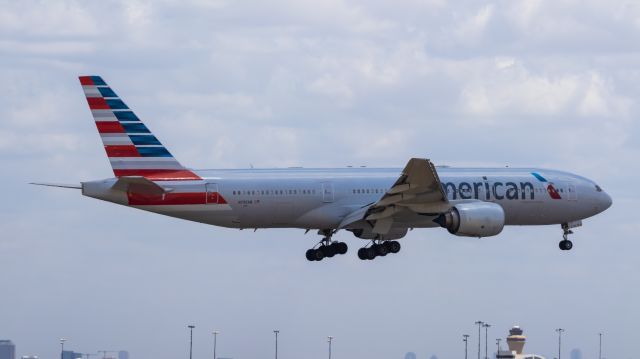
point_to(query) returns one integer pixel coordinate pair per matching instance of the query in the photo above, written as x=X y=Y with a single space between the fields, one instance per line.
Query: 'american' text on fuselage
x=495 y=190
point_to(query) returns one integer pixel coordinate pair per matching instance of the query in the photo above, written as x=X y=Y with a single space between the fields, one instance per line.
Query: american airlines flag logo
x=132 y=149
x=553 y=193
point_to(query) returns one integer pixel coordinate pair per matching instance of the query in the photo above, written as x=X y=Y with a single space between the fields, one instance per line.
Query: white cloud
x=332 y=87
x=44 y=48
x=49 y=19
x=510 y=87
x=471 y=28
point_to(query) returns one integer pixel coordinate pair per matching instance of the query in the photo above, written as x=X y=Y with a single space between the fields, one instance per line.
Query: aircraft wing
x=418 y=191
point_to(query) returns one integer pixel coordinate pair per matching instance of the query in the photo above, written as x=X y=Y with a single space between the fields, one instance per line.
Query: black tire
x=566 y=245
x=362 y=254
x=328 y=251
x=311 y=256
x=561 y=245
x=335 y=248
x=394 y=246
x=381 y=249
x=370 y=253
x=342 y=248
x=318 y=254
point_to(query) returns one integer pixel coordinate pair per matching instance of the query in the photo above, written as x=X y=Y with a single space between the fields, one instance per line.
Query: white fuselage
x=321 y=198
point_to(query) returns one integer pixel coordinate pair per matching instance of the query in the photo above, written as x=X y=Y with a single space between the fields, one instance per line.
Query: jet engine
x=394 y=233
x=473 y=219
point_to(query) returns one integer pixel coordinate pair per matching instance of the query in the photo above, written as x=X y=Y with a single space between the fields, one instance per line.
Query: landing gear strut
x=378 y=248
x=326 y=248
x=565 y=244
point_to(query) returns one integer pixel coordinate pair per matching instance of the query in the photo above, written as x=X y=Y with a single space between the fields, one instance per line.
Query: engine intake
x=473 y=219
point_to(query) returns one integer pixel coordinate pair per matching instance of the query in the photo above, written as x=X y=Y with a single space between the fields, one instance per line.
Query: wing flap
x=417 y=190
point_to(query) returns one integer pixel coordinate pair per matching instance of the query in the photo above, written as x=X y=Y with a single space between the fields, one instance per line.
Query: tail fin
x=132 y=149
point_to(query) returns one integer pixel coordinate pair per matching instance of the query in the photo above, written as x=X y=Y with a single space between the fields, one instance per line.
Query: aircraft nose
x=605 y=200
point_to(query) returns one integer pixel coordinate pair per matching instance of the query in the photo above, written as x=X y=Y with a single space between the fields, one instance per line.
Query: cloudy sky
x=227 y=84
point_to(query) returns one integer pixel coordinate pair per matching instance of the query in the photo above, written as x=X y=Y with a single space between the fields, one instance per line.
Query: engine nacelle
x=394 y=233
x=473 y=219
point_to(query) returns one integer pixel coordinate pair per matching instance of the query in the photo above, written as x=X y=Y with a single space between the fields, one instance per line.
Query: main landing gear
x=378 y=248
x=565 y=244
x=326 y=248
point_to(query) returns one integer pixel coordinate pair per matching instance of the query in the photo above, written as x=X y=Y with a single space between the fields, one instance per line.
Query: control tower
x=516 y=340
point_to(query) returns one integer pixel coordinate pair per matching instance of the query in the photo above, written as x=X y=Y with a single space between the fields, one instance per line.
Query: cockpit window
x=598 y=188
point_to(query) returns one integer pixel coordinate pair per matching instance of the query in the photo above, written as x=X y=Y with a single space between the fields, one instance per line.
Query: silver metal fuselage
x=321 y=198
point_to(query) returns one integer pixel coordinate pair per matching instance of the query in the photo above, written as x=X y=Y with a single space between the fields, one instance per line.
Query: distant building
x=410 y=355
x=434 y=356
x=7 y=349
x=575 y=354
x=123 y=354
x=29 y=357
x=516 y=341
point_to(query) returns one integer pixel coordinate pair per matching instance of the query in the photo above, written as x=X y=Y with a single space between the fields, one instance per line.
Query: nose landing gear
x=565 y=244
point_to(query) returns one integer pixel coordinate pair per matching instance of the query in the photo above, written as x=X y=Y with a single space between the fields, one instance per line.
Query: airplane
x=379 y=205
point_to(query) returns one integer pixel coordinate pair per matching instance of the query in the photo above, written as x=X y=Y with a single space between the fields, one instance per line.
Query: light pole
x=479 y=323
x=191 y=340
x=465 y=339
x=62 y=340
x=559 y=330
x=486 y=340
x=276 y=333
x=600 y=346
x=329 y=339
x=498 y=344
x=215 y=343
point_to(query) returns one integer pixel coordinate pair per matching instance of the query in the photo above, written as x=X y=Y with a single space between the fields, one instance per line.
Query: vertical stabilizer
x=132 y=149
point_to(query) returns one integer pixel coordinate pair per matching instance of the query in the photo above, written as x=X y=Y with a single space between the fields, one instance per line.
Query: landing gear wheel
x=341 y=247
x=370 y=253
x=565 y=245
x=362 y=254
x=311 y=256
x=318 y=254
x=380 y=249
x=328 y=251
x=394 y=247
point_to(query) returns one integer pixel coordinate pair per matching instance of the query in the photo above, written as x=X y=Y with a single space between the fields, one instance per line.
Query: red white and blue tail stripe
x=132 y=149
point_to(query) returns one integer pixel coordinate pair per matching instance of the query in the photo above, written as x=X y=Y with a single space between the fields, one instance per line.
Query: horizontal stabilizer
x=138 y=184
x=61 y=185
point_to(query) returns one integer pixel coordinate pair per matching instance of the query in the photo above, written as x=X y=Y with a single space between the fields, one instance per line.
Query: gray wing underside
x=417 y=192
